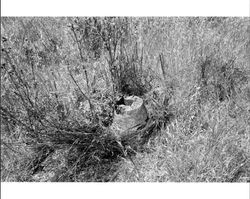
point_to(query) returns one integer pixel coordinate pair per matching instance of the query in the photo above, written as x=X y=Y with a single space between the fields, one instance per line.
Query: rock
x=130 y=116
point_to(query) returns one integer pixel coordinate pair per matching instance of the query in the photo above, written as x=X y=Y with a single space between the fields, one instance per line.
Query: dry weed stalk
x=84 y=69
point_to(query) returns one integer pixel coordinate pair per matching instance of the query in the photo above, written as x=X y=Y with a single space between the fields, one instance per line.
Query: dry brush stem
x=163 y=64
x=84 y=69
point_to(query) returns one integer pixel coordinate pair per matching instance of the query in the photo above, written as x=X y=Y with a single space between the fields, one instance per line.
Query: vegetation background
x=60 y=78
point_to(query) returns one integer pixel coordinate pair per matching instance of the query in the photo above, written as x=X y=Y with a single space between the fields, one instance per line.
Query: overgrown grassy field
x=61 y=77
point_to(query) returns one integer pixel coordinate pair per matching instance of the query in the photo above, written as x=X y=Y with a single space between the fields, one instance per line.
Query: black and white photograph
x=125 y=99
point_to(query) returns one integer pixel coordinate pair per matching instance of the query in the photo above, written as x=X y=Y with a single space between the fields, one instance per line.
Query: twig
x=90 y=104
x=162 y=61
x=5 y=144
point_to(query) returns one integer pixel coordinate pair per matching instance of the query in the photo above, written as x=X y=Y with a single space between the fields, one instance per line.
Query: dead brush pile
x=91 y=152
x=87 y=148
x=36 y=120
